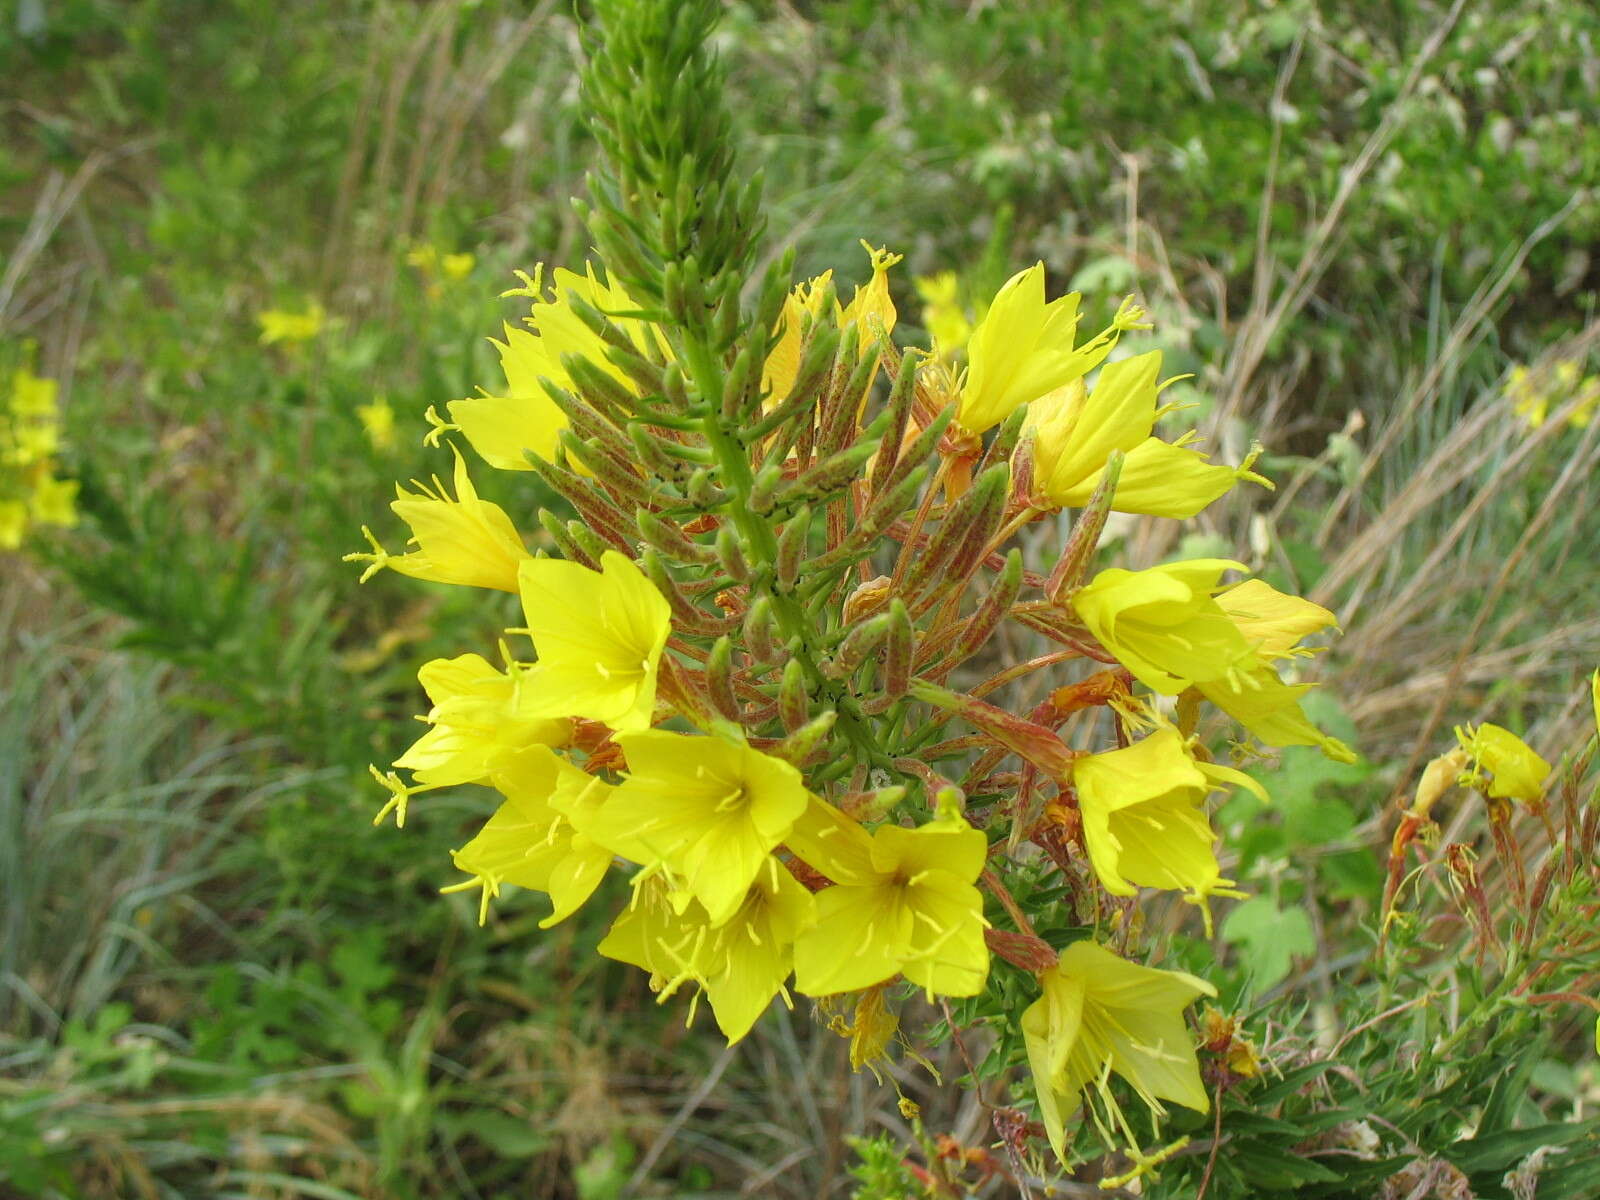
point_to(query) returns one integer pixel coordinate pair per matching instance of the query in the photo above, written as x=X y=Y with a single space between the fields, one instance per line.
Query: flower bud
x=730 y=556
x=719 y=679
x=800 y=745
x=900 y=651
x=666 y=537
x=793 y=542
x=794 y=697
x=761 y=631
x=857 y=645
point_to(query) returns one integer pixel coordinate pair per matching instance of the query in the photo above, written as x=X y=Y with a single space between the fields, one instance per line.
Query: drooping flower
x=1270 y=709
x=465 y=540
x=741 y=963
x=1516 y=772
x=708 y=809
x=1163 y=624
x=1075 y=429
x=1102 y=1015
x=1022 y=350
x=599 y=637
x=903 y=902
x=475 y=726
x=533 y=840
x=1144 y=820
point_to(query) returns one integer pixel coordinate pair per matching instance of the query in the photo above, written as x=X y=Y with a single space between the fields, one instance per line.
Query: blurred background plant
x=246 y=245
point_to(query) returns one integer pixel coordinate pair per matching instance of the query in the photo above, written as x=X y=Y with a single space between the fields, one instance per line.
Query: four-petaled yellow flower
x=903 y=902
x=1516 y=772
x=1102 y=1015
x=464 y=541
x=707 y=809
x=599 y=637
x=534 y=839
x=475 y=725
x=740 y=963
x=1075 y=429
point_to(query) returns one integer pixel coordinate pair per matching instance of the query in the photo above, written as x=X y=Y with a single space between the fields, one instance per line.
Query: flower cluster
x=781 y=552
x=31 y=493
x=1533 y=392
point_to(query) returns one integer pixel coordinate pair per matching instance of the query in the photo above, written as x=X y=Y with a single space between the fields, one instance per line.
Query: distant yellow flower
x=708 y=809
x=532 y=842
x=457 y=266
x=1144 y=820
x=903 y=901
x=1594 y=693
x=942 y=314
x=475 y=725
x=1075 y=430
x=1022 y=350
x=32 y=395
x=279 y=325
x=741 y=963
x=1273 y=622
x=464 y=541
x=599 y=636
x=1163 y=624
x=1102 y=1015
x=54 y=501
x=1588 y=403
x=377 y=419
x=13 y=523
x=1516 y=772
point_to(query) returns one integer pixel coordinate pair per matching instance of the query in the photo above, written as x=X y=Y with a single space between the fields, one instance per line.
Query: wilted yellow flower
x=1273 y=622
x=1102 y=1015
x=1022 y=350
x=279 y=325
x=903 y=901
x=377 y=419
x=1144 y=820
x=464 y=541
x=532 y=841
x=475 y=725
x=599 y=636
x=1075 y=430
x=741 y=963
x=1515 y=771
x=708 y=809
x=1163 y=624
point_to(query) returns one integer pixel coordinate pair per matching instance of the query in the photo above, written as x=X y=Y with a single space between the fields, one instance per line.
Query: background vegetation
x=1349 y=220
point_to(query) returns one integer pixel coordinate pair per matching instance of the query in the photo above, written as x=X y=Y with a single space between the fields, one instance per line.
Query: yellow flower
x=707 y=809
x=1515 y=771
x=1588 y=403
x=1022 y=350
x=871 y=308
x=599 y=635
x=1102 y=1015
x=942 y=314
x=32 y=395
x=13 y=523
x=1075 y=430
x=1272 y=621
x=465 y=541
x=54 y=501
x=377 y=419
x=1594 y=693
x=532 y=840
x=502 y=429
x=1143 y=817
x=476 y=726
x=1270 y=709
x=903 y=901
x=741 y=963
x=457 y=266
x=278 y=325
x=1163 y=624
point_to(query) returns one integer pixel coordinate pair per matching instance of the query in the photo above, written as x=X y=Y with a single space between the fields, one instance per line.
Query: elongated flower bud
x=857 y=645
x=1035 y=743
x=793 y=543
x=975 y=511
x=921 y=447
x=1080 y=548
x=743 y=378
x=899 y=651
x=898 y=411
x=686 y=616
x=981 y=626
x=801 y=744
x=761 y=630
x=764 y=490
x=719 y=678
x=703 y=492
x=829 y=476
x=666 y=537
x=794 y=698
x=730 y=556
x=565 y=542
x=884 y=511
